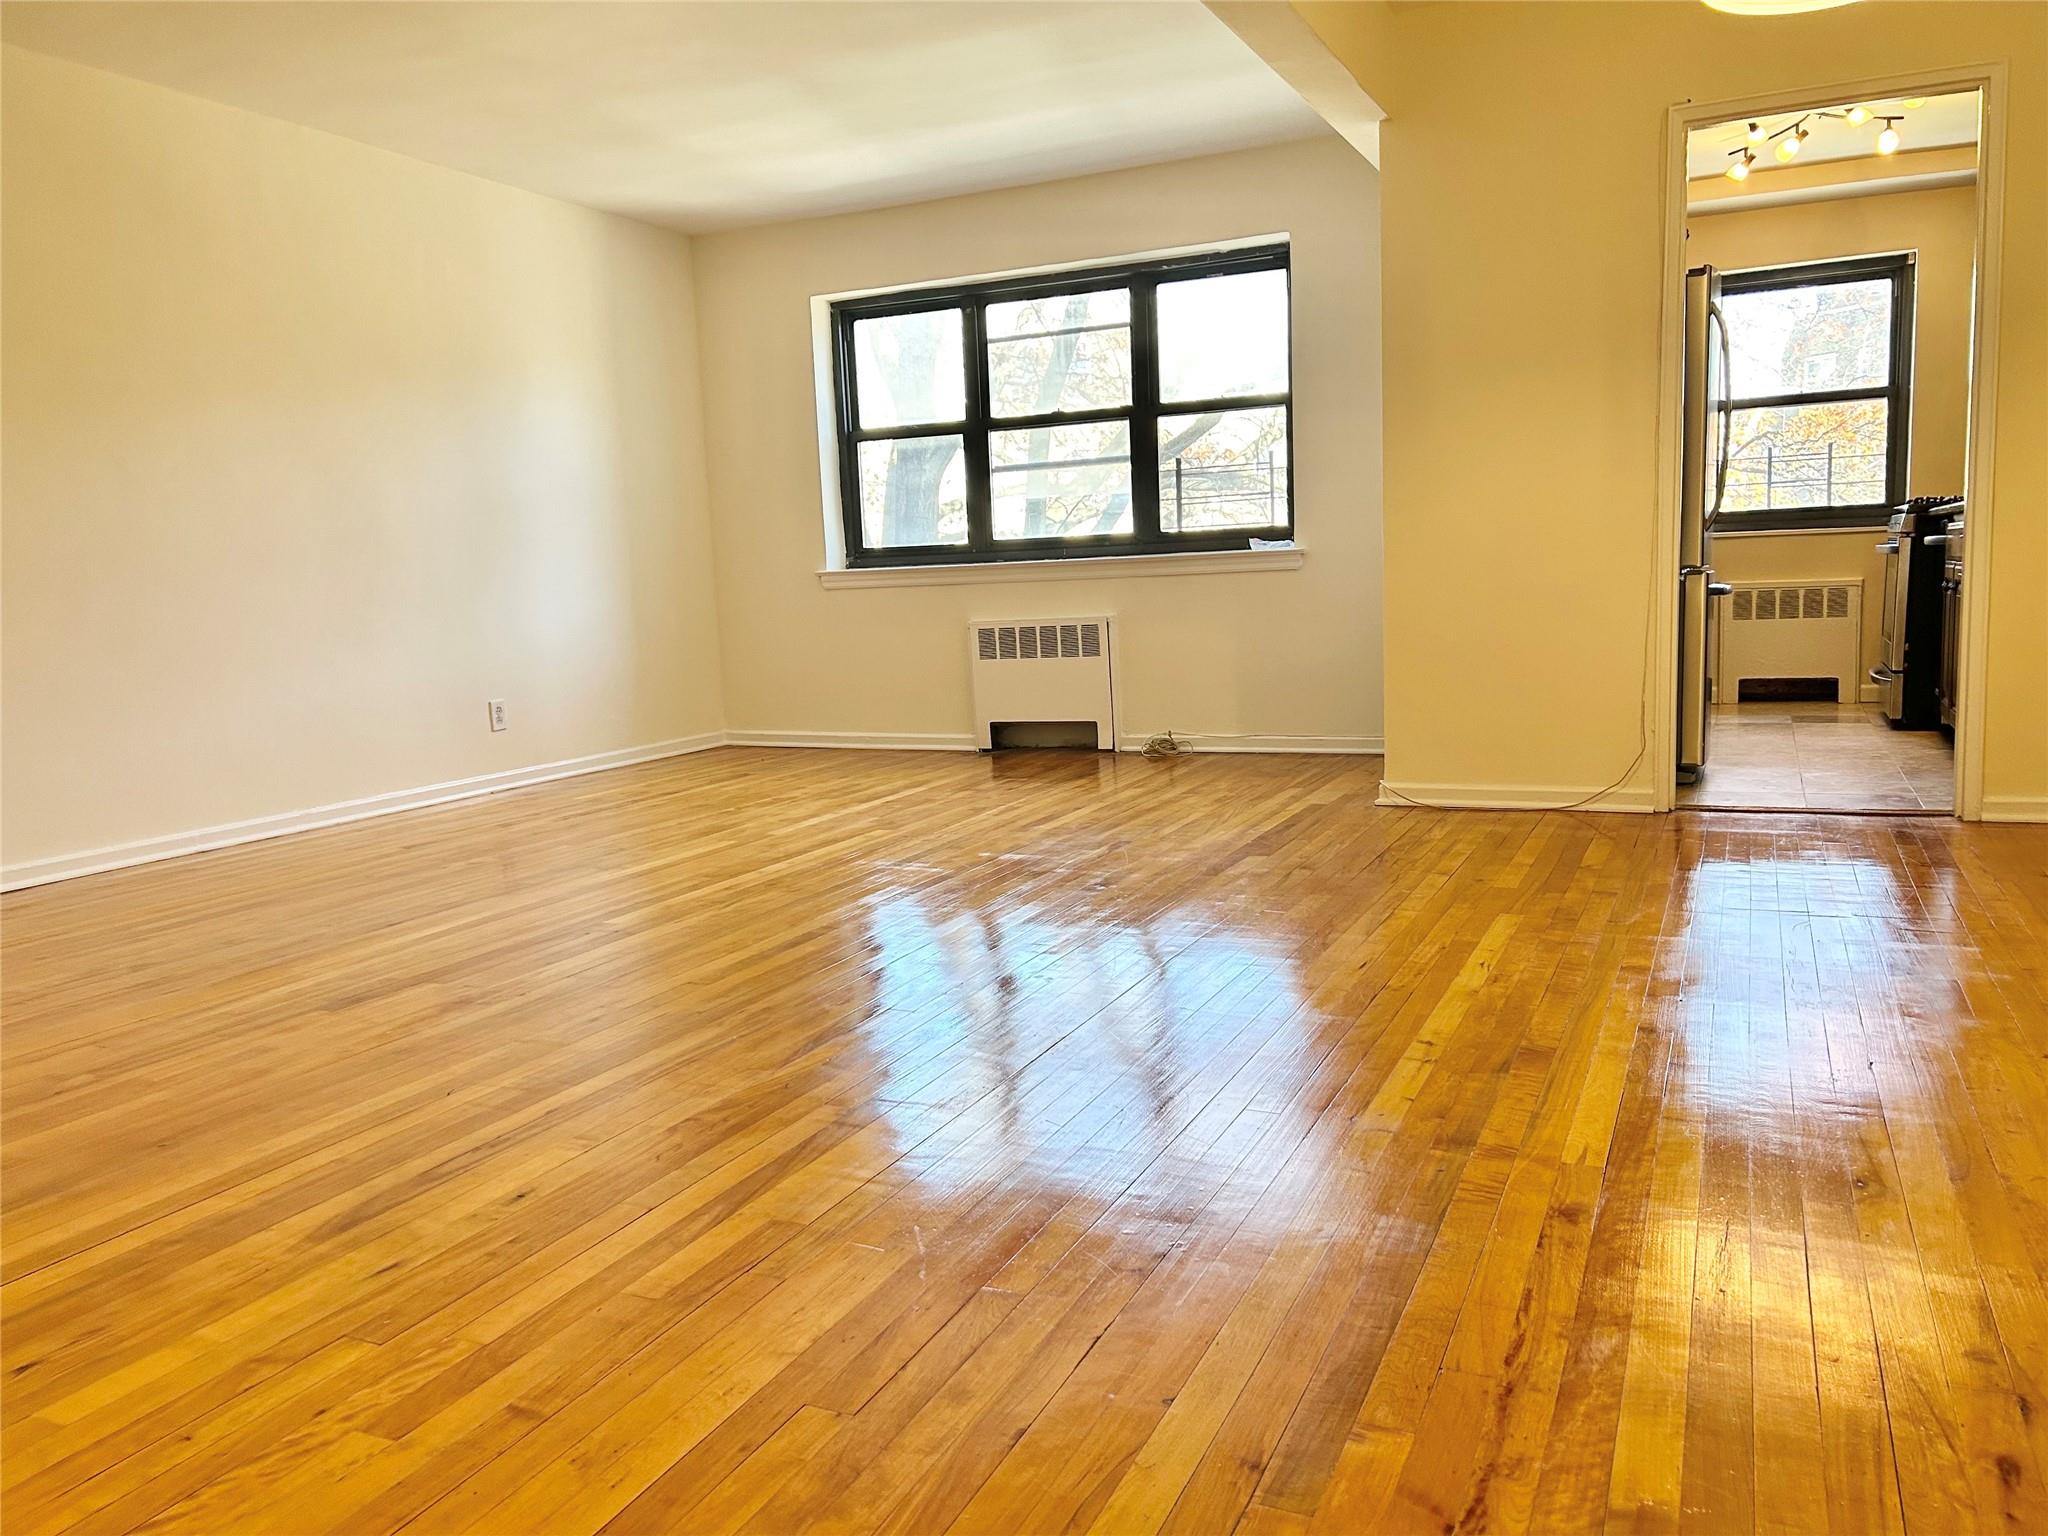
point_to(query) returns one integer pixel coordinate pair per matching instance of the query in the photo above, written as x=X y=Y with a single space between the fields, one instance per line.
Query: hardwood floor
x=787 y=1141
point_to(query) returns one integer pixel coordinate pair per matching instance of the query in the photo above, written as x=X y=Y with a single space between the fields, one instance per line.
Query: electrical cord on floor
x=1168 y=744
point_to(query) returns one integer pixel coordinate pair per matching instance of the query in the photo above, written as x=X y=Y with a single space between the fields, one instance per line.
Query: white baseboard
x=1241 y=741
x=2024 y=808
x=1518 y=797
x=871 y=741
x=93 y=861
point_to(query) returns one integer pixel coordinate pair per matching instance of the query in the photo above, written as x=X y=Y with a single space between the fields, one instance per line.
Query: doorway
x=1843 y=235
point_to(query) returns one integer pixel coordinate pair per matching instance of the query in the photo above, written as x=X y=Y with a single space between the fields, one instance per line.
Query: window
x=1136 y=409
x=1820 y=362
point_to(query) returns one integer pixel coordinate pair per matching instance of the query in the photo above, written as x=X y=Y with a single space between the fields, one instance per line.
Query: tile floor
x=1829 y=757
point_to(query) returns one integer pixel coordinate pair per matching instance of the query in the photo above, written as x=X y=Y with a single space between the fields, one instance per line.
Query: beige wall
x=1291 y=653
x=310 y=449
x=1941 y=226
x=1523 y=156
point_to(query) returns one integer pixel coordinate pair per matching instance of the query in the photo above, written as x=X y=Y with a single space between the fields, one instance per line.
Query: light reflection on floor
x=1107 y=1022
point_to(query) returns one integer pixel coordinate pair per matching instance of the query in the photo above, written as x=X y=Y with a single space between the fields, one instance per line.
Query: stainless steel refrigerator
x=1702 y=484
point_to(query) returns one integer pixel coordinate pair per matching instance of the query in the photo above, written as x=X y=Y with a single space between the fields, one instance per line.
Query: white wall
x=1272 y=654
x=310 y=449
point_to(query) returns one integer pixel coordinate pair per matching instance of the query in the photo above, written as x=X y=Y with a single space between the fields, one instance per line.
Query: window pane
x=913 y=490
x=908 y=369
x=1785 y=341
x=1063 y=352
x=1807 y=456
x=1225 y=469
x=1066 y=482
x=1221 y=336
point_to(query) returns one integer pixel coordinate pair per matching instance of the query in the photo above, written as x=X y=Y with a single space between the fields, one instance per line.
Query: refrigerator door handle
x=1724 y=427
x=1720 y=588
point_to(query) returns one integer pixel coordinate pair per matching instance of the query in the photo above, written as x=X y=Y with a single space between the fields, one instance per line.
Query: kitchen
x=1831 y=257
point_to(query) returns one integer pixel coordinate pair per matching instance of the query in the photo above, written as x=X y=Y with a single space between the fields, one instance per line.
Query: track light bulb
x=1739 y=171
x=1756 y=133
x=1858 y=116
x=1888 y=141
x=1791 y=144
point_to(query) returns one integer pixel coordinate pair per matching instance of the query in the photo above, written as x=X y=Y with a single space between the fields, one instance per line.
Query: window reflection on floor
x=1085 y=1036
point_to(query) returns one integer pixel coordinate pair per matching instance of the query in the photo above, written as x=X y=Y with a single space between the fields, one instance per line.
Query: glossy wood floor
x=783 y=1142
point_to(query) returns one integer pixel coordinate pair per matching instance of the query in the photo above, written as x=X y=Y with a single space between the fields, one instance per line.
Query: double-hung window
x=1143 y=408
x=1819 y=379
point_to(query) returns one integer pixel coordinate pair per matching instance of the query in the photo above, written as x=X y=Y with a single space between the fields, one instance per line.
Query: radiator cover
x=1031 y=670
x=1773 y=629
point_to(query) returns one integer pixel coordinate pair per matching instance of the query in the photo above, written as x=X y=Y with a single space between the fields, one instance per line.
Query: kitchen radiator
x=1034 y=671
x=1775 y=630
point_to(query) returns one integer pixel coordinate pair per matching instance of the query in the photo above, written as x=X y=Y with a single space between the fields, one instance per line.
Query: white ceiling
x=1938 y=122
x=711 y=114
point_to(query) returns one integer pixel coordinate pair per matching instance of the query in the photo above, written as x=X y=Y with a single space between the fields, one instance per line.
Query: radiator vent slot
x=1038 y=642
x=1744 y=608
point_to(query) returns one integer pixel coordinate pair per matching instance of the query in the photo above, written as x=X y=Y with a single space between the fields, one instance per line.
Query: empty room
x=1115 y=766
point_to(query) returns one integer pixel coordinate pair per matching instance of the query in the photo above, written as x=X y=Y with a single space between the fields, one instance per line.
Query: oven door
x=1890 y=672
x=1898 y=567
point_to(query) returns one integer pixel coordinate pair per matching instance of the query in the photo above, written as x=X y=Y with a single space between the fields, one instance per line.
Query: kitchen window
x=1143 y=408
x=1819 y=382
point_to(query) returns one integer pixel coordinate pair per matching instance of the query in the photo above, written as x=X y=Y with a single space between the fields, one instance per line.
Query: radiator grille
x=1037 y=642
x=1749 y=605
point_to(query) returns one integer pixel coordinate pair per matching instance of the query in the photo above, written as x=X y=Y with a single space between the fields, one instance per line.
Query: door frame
x=1989 y=81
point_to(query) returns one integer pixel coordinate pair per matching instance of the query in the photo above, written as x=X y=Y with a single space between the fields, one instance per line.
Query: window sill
x=1210 y=562
x=1795 y=529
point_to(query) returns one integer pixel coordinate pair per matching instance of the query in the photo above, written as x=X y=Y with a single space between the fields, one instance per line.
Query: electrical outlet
x=497 y=714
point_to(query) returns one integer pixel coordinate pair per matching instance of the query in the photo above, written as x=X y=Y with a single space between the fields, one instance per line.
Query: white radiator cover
x=1042 y=670
x=1791 y=629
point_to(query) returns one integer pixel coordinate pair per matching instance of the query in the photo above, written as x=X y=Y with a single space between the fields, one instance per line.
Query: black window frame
x=1142 y=279
x=1896 y=391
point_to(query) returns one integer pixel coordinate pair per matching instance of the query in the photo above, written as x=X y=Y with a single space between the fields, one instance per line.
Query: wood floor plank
x=894 y=1142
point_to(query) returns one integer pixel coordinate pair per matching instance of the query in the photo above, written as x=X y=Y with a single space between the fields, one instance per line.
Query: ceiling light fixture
x=1773 y=7
x=1790 y=138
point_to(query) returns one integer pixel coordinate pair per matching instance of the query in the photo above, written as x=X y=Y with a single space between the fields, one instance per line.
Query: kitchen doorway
x=1819 y=608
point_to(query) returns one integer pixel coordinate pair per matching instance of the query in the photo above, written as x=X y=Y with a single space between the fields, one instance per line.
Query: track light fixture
x=1790 y=138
